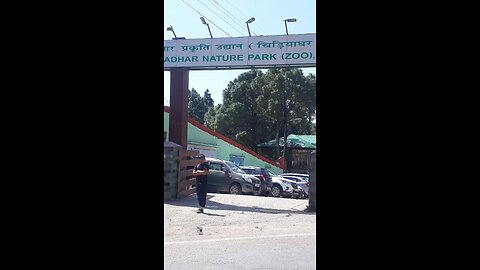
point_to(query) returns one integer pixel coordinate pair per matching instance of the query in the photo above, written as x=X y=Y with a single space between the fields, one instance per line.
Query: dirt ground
x=228 y=216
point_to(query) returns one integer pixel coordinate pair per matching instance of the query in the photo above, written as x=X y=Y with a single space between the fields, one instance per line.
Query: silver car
x=300 y=179
x=284 y=187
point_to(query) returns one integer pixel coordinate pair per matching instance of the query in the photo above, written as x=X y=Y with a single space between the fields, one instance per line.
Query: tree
x=270 y=101
x=207 y=99
x=210 y=117
x=239 y=115
x=314 y=129
x=260 y=106
x=198 y=106
x=289 y=99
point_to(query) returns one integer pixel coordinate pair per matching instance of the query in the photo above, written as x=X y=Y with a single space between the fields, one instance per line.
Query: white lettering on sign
x=238 y=52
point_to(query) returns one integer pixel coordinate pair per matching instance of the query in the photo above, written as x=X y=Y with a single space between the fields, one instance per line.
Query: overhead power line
x=230 y=15
x=206 y=18
x=220 y=17
x=237 y=9
x=246 y=16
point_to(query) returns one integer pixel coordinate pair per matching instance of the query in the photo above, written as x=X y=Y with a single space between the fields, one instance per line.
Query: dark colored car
x=225 y=176
x=263 y=175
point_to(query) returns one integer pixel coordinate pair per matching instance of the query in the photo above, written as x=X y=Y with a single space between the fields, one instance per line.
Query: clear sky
x=269 y=16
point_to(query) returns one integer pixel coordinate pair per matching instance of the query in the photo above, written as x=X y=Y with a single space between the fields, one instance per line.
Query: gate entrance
x=183 y=55
x=259 y=52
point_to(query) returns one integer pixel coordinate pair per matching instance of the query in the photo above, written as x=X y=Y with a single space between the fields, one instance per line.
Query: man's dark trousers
x=202 y=192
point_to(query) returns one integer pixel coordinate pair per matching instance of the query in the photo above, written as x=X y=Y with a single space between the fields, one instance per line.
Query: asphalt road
x=239 y=232
x=274 y=252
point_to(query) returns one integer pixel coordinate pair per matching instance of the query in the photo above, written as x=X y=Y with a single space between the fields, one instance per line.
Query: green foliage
x=258 y=106
x=198 y=106
x=314 y=129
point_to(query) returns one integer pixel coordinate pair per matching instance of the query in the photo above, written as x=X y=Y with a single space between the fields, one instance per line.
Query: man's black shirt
x=202 y=178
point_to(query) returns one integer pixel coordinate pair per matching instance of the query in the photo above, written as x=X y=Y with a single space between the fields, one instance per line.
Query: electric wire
x=234 y=16
x=230 y=15
x=256 y=25
x=220 y=17
x=206 y=18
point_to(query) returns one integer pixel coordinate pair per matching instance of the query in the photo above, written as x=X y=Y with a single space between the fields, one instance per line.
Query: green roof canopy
x=301 y=141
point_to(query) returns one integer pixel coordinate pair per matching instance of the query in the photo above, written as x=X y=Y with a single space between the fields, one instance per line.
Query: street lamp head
x=251 y=20
x=170 y=28
x=204 y=22
x=289 y=20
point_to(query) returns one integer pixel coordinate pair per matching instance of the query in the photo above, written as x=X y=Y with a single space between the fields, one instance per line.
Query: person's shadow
x=217 y=215
x=191 y=201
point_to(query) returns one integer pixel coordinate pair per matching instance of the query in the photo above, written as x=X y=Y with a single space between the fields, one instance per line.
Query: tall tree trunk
x=278 y=140
x=253 y=126
x=285 y=122
x=254 y=133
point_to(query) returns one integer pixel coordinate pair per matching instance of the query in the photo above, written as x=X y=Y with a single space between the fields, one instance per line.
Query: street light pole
x=204 y=22
x=289 y=20
x=285 y=113
x=209 y=31
x=170 y=28
x=247 y=22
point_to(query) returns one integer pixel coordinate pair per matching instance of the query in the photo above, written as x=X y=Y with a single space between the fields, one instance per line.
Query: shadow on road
x=191 y=201
x=216 y=215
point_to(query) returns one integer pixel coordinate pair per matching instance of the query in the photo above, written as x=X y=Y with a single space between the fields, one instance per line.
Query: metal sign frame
x=259 y=52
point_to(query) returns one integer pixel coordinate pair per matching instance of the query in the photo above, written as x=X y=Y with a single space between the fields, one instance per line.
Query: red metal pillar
x=177 y=127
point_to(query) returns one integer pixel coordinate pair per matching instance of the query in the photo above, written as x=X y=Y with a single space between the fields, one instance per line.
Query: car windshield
x=234 y=167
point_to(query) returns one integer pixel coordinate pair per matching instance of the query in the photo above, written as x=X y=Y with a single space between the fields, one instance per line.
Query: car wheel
x=276 y=191
x=235 y=189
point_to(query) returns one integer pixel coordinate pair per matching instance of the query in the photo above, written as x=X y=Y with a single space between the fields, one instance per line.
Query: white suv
x=282 y=187
x=302 y=183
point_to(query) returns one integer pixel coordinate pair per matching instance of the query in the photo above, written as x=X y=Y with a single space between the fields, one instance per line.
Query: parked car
x=225 y=176
x=301 y=183
x=305 y=177
x=283 y=187
x=303 y=193
x=263 y=175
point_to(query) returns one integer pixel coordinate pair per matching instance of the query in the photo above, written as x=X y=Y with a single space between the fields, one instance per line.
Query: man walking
x=201 y=173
